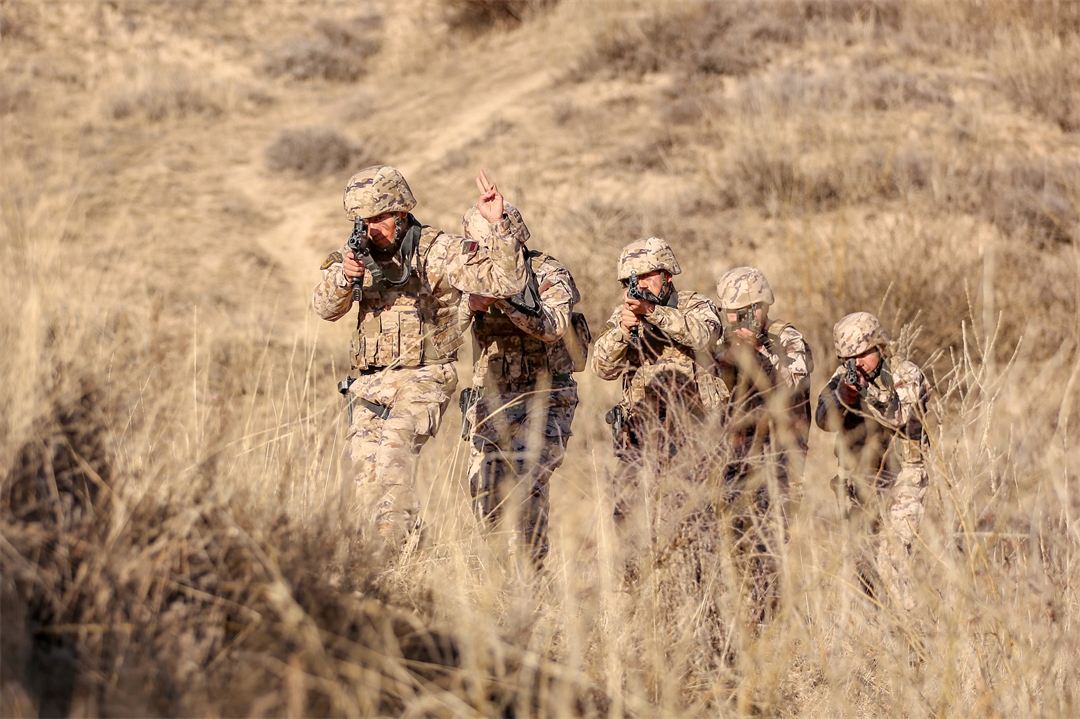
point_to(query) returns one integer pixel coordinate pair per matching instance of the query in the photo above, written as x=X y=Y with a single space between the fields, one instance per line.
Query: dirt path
x=306 y=226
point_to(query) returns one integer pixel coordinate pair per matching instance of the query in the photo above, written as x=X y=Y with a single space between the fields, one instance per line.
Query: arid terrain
x=179 y=533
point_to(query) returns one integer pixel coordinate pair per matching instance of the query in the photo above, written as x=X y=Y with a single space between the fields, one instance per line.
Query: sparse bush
x=701 y=38
x=475 y=17
x=159 y=93
x=1042 y=73
x=337 y=53
x=312 y=152
x=1036 y=199
x=882 y=14
x=15 y=98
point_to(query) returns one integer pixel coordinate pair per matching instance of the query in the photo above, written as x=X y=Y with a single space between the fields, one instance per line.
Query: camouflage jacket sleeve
x=558 y=295
x=795 y=371
x=694 y=323
x=608 y=359
x=490 y=266
x=333 y=295
x=913 y=392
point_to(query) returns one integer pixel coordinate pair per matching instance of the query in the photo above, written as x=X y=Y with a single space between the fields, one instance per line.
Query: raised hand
x=490 y=203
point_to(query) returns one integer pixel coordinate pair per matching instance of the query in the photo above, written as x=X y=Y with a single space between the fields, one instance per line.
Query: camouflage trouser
x=893 y=521
x=513 y=458
x=385 y=451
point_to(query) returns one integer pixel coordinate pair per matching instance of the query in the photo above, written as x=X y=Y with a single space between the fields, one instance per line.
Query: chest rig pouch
x=407 y=325
x=506 y=355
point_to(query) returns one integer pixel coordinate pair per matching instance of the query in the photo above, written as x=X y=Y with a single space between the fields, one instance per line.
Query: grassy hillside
x=177 y=533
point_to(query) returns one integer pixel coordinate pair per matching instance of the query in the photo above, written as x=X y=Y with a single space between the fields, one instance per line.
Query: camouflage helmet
x=474 y=225
x=649 y=255
x=375 y=190
x=858 y=333
x=742 y=287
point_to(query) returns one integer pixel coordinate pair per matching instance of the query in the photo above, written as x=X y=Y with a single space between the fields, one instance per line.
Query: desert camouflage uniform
x=523 y=370
x=879 y=447
x=768 y=425
x=406 y=340
x=769 y=410
x=667 y=380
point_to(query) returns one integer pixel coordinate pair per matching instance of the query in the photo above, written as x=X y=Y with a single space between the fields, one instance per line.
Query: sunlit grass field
x=179 y=533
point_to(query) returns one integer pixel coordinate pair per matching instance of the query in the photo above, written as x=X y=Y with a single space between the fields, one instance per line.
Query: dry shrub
x=337 y=52
x=475 y=17
x=699 y=38
x=161 y=92
x=16 y=20
x=1042 y=73
x=881 y=14
x=312 y=152
x=1036 y=199
x=15 y=97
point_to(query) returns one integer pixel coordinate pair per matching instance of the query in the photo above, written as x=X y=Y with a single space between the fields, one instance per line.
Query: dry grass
x=475 y=17
x=157 y=93
x=313 y=152
x=178 y=534
x=339 y=52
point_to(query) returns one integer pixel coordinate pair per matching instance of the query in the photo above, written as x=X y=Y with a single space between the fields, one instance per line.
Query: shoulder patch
x=469 y=247
x=335 y=256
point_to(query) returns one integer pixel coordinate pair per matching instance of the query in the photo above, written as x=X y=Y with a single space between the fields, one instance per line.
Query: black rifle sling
x=528 y=300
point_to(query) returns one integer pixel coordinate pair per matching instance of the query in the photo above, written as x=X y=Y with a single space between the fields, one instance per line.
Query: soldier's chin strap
x=528 y=300
x=406 y=240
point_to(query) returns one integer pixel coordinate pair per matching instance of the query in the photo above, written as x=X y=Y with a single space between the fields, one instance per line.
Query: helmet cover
x=376 y=190
x=742 y=287
x=857 y=333
x=644 y=256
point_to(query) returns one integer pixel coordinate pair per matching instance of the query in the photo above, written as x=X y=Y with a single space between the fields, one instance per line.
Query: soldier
x=876 y=403
x=407 y=279
x=526 y=349
x=657 y=342
x=765 y=366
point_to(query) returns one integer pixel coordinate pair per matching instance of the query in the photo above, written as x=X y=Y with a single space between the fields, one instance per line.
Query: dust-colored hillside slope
x=179 y=536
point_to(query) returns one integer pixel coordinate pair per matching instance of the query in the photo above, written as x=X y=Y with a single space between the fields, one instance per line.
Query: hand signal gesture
x=490 y=203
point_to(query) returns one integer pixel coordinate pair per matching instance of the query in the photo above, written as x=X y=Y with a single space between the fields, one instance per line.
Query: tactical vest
x=660 y=359
x=407 y=326
x=504 y=354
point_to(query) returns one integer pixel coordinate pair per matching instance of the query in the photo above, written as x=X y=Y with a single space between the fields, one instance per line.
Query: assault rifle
x=745 y=319
x=466 y=400
x=343 y=387
x=633 y=292
x=851 y=377
x=616 y=417
x=358 y=244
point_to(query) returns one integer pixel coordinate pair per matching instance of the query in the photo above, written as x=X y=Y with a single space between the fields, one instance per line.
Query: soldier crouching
x=526 y=349
x=657 y=343
x=876 y=404
x=407 y=280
